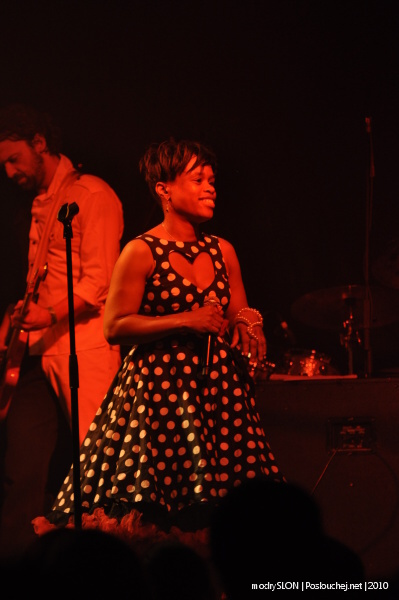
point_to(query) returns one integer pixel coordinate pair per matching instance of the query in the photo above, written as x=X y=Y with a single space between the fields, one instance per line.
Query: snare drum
x=307 y=363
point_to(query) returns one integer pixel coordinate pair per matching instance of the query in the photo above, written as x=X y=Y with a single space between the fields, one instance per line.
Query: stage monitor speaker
x=339 y=439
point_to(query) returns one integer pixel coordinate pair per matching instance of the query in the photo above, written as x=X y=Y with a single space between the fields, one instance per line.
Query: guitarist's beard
x=32 y=181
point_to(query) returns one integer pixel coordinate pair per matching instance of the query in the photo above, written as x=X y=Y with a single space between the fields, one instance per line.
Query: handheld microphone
x=207 y=352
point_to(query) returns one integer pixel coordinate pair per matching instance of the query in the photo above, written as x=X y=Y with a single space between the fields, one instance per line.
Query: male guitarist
x=39 y=408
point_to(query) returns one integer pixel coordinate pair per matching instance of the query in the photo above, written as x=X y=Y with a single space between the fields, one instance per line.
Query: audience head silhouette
x=265 y=529
x=177 y=571
x=86 y=563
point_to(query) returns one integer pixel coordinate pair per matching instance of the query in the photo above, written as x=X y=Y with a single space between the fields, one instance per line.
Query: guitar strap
x=41 y=254
x=17 y=343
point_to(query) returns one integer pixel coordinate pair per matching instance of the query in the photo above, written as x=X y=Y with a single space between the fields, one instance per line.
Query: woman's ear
x=162 y=190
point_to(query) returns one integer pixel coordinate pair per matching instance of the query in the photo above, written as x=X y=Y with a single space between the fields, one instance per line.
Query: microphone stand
x=208 y=345
x=367 y=299
x=65 y=216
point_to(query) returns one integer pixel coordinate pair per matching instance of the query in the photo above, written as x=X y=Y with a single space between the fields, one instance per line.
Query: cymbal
x=385 y=268
x=329 y=308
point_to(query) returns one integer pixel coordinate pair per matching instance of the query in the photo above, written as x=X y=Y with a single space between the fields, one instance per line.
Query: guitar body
x=12 y=367
x=18 y=338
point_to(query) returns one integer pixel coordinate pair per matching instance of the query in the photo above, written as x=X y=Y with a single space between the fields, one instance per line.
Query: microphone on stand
x=67 y=212
x=209 y=342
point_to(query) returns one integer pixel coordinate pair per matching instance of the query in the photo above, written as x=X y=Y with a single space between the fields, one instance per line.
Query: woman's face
x=193 y=193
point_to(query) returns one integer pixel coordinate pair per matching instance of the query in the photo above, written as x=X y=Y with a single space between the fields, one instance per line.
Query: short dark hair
x=23 y=122
x=165 y=161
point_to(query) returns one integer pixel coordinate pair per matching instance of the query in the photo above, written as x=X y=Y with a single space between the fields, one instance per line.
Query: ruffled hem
x=131 y=528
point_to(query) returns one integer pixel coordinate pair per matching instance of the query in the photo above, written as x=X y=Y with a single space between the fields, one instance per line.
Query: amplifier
x=339 y=440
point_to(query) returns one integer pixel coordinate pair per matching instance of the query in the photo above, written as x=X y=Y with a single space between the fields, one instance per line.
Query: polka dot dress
x=163 y=435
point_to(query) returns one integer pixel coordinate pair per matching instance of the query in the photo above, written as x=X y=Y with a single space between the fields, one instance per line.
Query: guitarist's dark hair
x=23 y=122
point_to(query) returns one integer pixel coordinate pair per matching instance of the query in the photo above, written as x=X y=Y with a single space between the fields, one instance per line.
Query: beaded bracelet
x=250 y=324
x=251 y=333
x=254 y=310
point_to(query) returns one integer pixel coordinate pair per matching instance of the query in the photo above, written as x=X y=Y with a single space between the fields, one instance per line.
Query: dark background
x=280 y=90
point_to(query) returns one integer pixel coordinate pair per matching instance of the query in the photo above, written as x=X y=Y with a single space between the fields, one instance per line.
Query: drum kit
x=349 y=312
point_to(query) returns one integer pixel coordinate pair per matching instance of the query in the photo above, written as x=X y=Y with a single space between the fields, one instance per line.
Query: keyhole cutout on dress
x=198 y=270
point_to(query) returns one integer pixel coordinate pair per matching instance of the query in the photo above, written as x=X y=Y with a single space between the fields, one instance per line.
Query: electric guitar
x=17 y=339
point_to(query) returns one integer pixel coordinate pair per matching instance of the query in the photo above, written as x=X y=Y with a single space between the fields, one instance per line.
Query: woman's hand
x=253 y=347
x=207 y=319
